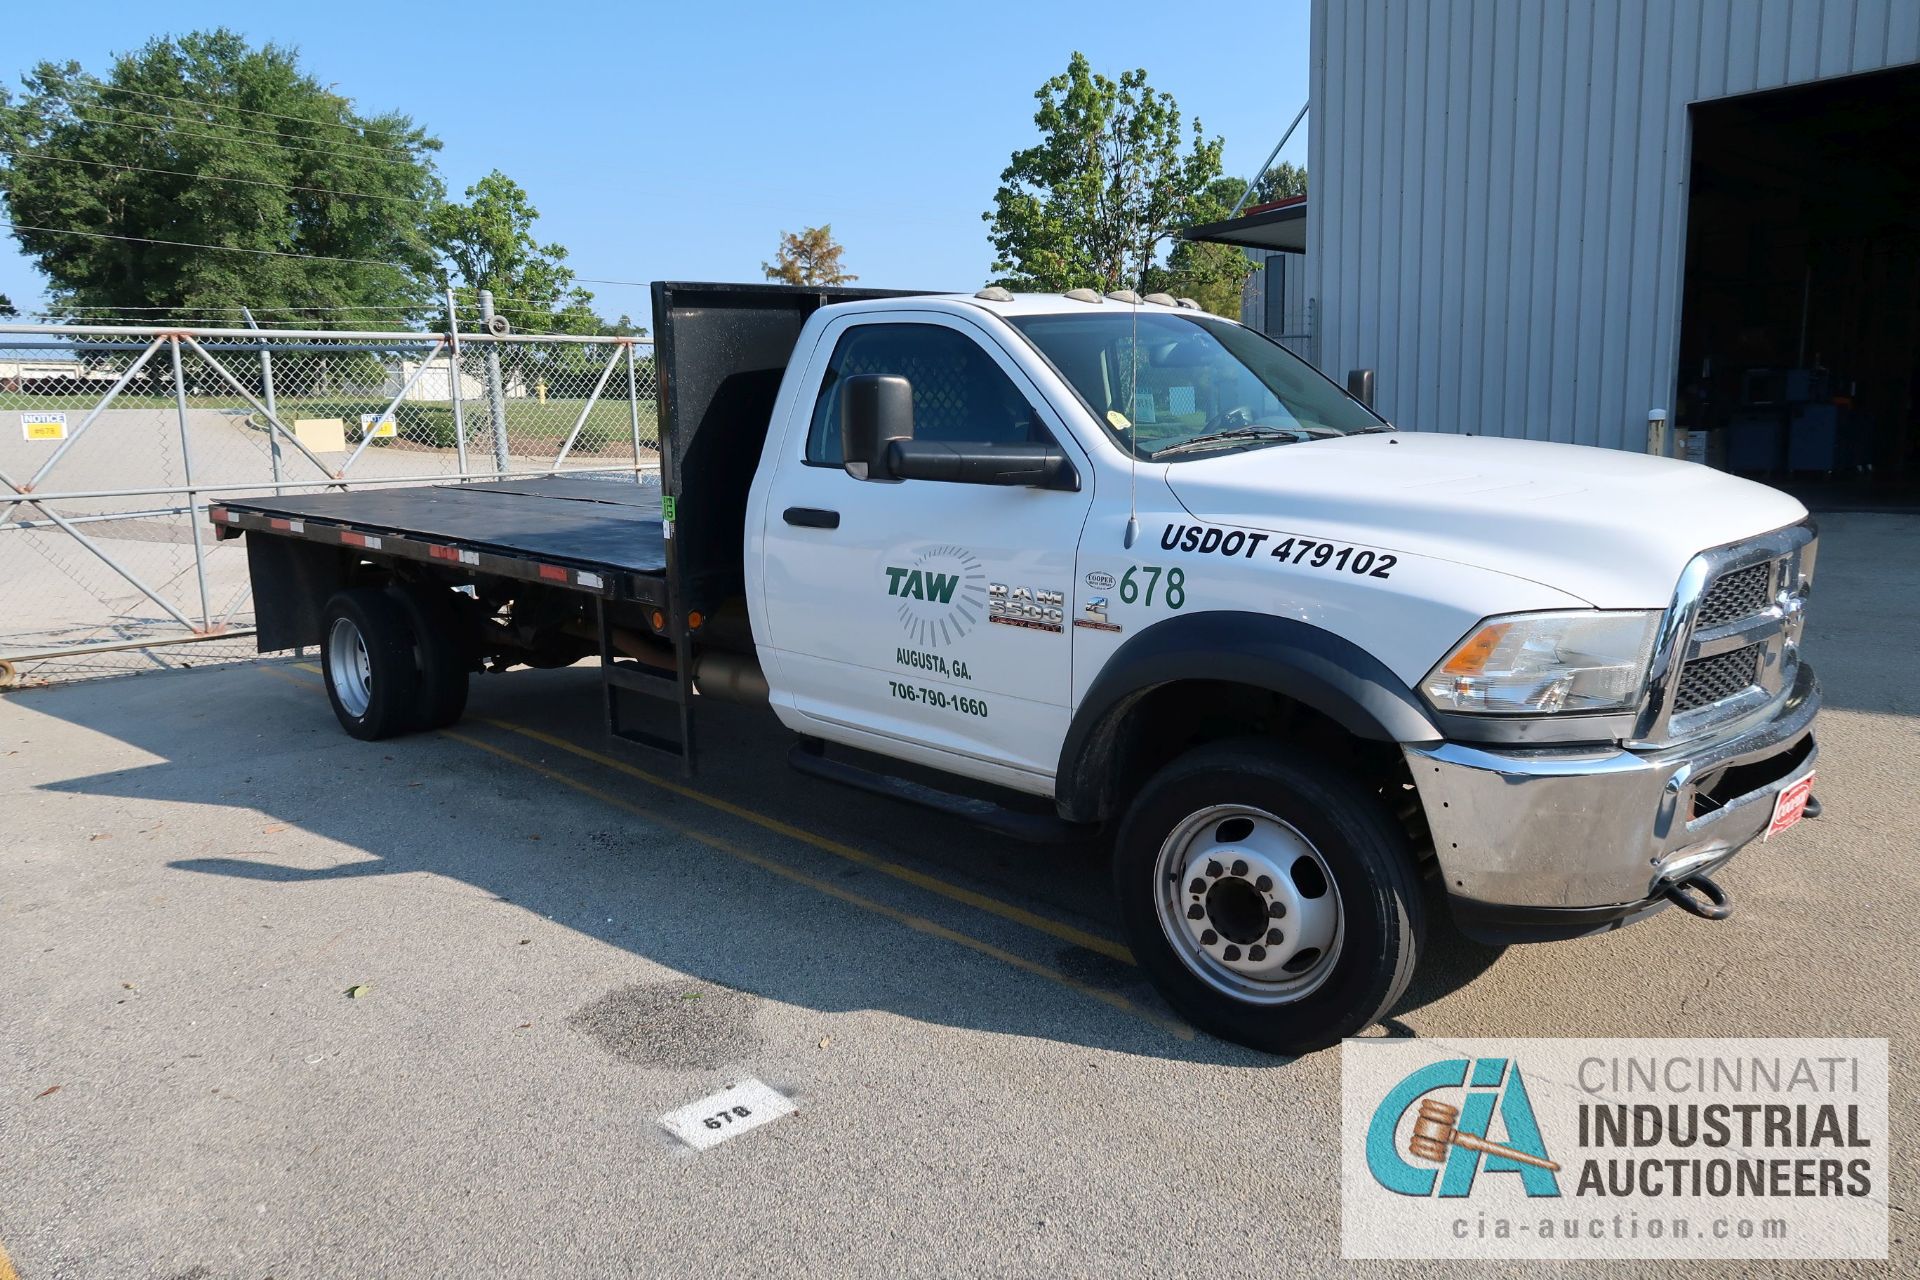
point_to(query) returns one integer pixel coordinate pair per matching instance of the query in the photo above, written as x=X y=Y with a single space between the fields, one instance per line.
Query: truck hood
x=1611 y=528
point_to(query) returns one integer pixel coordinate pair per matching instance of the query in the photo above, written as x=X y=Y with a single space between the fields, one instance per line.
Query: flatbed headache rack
x=721 y=354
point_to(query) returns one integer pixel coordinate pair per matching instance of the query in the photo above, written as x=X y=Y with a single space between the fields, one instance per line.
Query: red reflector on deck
x=443 y=553
x=279 y=524
x=553 y=573
x=217 y=514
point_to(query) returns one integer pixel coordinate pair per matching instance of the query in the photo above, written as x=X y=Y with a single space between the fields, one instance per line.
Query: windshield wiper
x=1231 y=435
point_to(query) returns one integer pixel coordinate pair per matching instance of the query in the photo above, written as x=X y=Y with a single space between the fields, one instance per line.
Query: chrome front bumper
x=1555 y=843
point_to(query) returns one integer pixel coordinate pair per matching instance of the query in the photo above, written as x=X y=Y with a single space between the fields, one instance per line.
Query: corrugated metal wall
x=1499 y=191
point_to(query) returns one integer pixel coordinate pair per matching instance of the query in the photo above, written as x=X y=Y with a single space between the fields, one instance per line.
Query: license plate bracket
x=1789 y=806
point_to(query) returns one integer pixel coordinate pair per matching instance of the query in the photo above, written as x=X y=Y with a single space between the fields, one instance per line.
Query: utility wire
x=104 y=87
x=211 y=177
x=278 y=145
x=176 y=119
x=191 y=244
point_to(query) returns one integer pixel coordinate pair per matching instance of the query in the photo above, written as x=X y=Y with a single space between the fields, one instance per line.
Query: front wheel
x=1272 y=900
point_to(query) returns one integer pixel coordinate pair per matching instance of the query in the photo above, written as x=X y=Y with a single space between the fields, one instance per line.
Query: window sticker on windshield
x=1143 y=406
x=1179 y=400
x=1118 y=419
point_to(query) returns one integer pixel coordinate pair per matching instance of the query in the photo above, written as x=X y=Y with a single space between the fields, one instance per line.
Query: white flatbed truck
x=1136 y=567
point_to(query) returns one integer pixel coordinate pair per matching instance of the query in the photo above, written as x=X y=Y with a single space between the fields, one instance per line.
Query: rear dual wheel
x=393 y=661
x=1272 y=899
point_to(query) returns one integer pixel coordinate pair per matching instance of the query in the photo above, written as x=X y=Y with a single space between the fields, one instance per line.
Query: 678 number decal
x=1174 y=596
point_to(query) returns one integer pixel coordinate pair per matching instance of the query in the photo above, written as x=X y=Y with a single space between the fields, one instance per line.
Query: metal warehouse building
x=1549 y=219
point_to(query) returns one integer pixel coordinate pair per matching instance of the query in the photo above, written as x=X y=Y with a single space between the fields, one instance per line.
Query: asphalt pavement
x=274 y=1002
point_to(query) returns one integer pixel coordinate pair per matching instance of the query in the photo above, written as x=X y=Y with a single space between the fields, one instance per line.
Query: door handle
x=812 y=518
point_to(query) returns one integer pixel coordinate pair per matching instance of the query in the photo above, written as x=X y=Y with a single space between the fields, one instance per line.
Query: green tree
x=808 y=256
x=1108 y=183
x=205 y=140
x=1278 y=183
x=1214 y=275
x=488 y=243
x=7 y=308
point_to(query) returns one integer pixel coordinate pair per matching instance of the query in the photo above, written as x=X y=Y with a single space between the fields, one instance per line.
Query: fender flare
x=1313 y=666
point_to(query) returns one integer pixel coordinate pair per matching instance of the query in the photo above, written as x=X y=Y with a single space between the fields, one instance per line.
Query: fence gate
x=113 y=441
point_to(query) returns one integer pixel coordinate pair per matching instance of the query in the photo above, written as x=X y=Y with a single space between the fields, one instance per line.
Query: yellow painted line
x=310 y=666
x=6 y=1266
x=919 y=879
x=277 y=675
x=1171 y=1025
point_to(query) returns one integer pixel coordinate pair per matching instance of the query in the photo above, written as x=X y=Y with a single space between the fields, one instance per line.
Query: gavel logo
x=1434 y=1132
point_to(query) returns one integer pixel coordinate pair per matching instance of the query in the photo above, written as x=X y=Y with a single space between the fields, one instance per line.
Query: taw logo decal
x=942 y=593
x=1448 y=1143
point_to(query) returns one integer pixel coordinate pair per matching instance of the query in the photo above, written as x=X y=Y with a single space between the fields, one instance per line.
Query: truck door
x=923 y=619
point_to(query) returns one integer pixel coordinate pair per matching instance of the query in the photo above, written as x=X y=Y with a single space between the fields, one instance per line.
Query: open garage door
x=1800 y=322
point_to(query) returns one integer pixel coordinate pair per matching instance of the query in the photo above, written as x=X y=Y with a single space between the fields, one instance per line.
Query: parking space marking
x=6 y=1266
x=1164 y=1022
x=736 y=1109
x=919 y=879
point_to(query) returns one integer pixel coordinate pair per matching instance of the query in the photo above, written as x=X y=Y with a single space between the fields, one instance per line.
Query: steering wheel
x=1241 y=415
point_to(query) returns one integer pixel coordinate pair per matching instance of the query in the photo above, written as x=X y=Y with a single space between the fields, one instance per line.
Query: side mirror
x=876 y=409
x=1033 y=466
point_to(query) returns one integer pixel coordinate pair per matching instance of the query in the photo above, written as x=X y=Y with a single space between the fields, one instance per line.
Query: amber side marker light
x=1472 y=657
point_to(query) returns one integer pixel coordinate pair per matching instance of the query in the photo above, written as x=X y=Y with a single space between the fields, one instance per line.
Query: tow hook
x=1711 y=904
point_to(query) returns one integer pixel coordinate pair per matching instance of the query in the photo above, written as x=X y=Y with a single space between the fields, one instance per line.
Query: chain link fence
x=114 y=440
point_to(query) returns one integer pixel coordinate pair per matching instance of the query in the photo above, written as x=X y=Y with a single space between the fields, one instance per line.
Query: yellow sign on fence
x=43 y=426
x=378 y=428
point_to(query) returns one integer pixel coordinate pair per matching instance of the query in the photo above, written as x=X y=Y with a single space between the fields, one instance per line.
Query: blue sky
x=676 y=141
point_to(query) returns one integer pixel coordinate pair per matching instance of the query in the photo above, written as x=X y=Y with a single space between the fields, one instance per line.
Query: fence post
x=453 y=382
x=186 y=465
x=496 y=393
x=266 y=387
x=633 y=408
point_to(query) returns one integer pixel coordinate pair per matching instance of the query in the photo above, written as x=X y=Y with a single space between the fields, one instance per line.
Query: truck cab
x=1316 y=678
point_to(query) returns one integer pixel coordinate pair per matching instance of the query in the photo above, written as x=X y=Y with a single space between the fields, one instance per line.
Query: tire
x=439 y=654
x=1244 y=833
x=366 y=656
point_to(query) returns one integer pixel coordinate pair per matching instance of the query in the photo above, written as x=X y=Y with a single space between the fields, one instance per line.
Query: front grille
x=1709 y=680
x=1737 y=595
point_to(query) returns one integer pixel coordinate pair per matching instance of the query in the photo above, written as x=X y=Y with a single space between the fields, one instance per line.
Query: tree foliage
x=1092 y=203
x=1214 y=275
x=489 y=244
x=1279 y=183
x=7 y=308
x=204 y=140
x=808 y=256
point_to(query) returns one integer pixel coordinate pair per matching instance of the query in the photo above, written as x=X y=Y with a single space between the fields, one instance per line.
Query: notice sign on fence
x=376 y=427
x=43 y=426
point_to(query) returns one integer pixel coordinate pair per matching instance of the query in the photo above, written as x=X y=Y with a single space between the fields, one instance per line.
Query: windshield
x=1176 y=387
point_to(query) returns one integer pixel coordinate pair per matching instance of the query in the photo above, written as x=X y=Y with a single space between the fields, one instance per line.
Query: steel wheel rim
x=348 y=667
x=1249 y=904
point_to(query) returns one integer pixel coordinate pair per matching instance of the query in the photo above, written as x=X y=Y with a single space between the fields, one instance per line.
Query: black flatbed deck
x=599 y=534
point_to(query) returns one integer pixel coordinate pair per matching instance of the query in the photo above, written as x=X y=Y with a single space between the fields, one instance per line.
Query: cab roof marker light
x=1081 y=295
x=1162 y=300
x=1188 y=303
x=994 y=293
x=1127 y=296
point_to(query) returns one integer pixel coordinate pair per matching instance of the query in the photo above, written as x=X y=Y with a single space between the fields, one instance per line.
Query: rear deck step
x=1030 y=828
x=624 y=676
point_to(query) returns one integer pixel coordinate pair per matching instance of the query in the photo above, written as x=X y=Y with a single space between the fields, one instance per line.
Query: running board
x=1029 y=828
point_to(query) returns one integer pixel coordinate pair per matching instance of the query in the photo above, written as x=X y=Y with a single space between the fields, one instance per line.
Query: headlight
x=1547 y=663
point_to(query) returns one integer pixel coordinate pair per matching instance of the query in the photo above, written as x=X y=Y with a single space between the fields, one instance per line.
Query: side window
x=959 y=393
